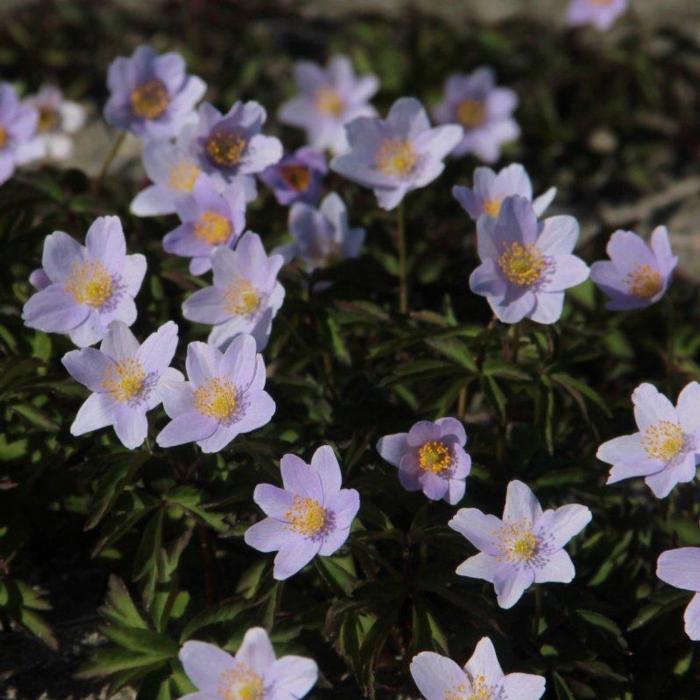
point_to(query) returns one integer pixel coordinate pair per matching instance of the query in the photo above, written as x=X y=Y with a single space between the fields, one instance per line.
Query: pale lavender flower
x=58 y=120
x=245 y=296
x=322 y=237
x=254 y=673
x=667 y=447
x=681 y=568
x=637 y=275
x=151 y=95
x=173 y=170
x=209 y=219
x=482 y=678
x=126 y=380
x=398 y=154
x=430 y=458
x=310 y=516
x=523 y=547
x=89 y=286
x=491 y=189
x=18 y=144
x=526 y=265
x=600 y=13
x=223 y=397
x=297 y=177
x=483 y=109
x=329 y=99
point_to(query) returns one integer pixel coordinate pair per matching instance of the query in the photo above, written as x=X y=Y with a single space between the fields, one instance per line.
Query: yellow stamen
x=396 y=158
x=125 y=380
x=217 y=399
x=518 y=543
x=240 y=683
x=4 y=138
x=90 y=283
x=471 y=113
x=493 y=207
x=183 y=175
x=242 y=298
x=297 y=177
x=479 y=690
x=150 y=99
x=306 y=517
x=434 y=457
x=663 y=441
x=48 y=119
x=329 y=101
x=226 y=148
x=212 y=228
x=522 y=264
x=645 y=282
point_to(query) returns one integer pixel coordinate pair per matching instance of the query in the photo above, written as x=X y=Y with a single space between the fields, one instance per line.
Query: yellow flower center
x=4 y=138
x=297 y=177
x=217 y=399
x=522 y=264
x=493 y=207
x=329 y=101
x=242 y=298
x=645 y=282
x=306 y=517
x=471 y=113
x=240 y=683
x=434 y=457
x=183 y=175
x=212 y=228
x=150 y=99
x=518 y=543
x=479 y=690
x=48 y=119
x=90 y=283
x=396 y=158
x=664 y=440
x=125 y=380
x=225 y=148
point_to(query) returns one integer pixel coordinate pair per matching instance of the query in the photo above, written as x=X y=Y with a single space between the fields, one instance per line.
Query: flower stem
x=538 y=611
x=116 y=146
x=401 y=244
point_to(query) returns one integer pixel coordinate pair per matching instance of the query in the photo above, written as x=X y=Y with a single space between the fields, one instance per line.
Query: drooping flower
x=17 y=130
x=523 y=547
x=667 y=446
x=637 y=275
x=126 y=380
x=329 y=99
x=173 y=170
x=484 y=110
x=297 y=177
x=209 y=219
x=223 y=397
x=245 y=296
x=600 y=13
x=151 y=95
x=254 y=673
x=526 y=265
x=58 y=120
x=322 y=237
x=398 y=154
x=89 y=286
x=482 y=678
x=491 y=189
x=310 y=516
x=681 y=568
x=430 y=457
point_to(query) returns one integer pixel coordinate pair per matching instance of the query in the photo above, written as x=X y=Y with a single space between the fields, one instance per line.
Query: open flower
x=90 y=286
x=431 y=458
x=667 y=446
x=329 y=99
x=209 y=219
x=483 y=109
x=254 y=673
x=58 y=120
x=17 y=130
x=173 y=170
x=311 y=515
x=223 y=397
x=600 y=13
x=482 y=678
x=245 y=296
x=681 y=568
x=526 y=265
x=150 y=95
x=126 y=380
x=523 y=547
x=398 y=154
x=637 y=275
x=491 y=189
x=297 y=177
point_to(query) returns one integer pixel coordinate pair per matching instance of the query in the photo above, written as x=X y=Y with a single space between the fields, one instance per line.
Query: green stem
x=401 y=244
x=116 y=146
x=538 y=611
x=516 y=343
